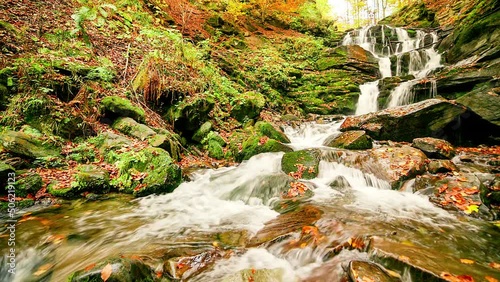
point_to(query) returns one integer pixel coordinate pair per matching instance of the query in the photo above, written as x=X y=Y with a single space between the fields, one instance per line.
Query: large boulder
x=433 y=117
x=26 y=145
x=187 y=116
x=352 y=140
x=301 y=164
x=115 y=106
x=485 y=102
x=132 y=128
x=150 y=170
x=108 y=141
x=434 y=148
x=27 y=184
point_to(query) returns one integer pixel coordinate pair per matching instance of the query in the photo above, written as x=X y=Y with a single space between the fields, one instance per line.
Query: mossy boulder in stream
x=28 y=183
x=150 y=170
x=215 y=144
x=352 y=140
x=119 y=269
x=115 y=106
x=256 y=145
x=26 y=145
x=267 y=129
x=91 y=178
x=304 y=163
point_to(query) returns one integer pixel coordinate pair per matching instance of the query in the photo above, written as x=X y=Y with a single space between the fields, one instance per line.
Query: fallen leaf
x=471 y=208
x=494 y=265
x=89 y=267
x=490 y=279
x=106 y=272
x=43 y=269
x=466 y=261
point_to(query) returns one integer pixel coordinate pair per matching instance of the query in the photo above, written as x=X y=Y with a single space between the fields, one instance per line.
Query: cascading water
x=239 y=201
x=399 y=54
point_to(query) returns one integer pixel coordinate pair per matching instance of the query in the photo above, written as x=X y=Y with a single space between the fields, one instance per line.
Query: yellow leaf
x=472 y=208
x=491 y=279
x=106 y=272
x=466 y=261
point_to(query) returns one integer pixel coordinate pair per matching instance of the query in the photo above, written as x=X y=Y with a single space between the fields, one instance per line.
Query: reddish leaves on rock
x=454 y=278
x=106 y=272
x=458 y=197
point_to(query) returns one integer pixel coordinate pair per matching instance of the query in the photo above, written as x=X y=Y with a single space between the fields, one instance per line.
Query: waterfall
x=398 y=54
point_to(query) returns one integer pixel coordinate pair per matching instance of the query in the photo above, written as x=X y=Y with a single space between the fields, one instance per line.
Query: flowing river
x=348 y=216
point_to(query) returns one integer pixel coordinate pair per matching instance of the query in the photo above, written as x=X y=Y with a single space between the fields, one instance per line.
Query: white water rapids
x=416 y=53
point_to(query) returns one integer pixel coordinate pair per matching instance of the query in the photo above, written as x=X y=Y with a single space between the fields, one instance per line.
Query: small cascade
x=399 y=53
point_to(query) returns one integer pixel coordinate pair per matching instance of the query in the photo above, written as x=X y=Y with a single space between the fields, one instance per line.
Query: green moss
x=115 y=106
x=266 y=129
x=202 y=132
x=28 y=184
x=26 y=145
x=91 y=178
x=155 y=166
x=308 y=158
x=248 y=106
x=55 y=189
x=132 y=128
x=254 y=146
x=215 y=150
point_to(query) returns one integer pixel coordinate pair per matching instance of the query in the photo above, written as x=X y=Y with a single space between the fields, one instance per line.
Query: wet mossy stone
x=26 y=145
x=132 y=128
x=28 y=184
x=122 y=270
x=115 y=106
x=24 y=203
x=202 y=132
x=215 y=137
x=57 y=189
x=352 y=140
x=256 y=145
x=145 y=172
x=309 y=159
x=248 y=106
x=108 y=141
x=168 y=141
x=268 y=130
x=91 y=178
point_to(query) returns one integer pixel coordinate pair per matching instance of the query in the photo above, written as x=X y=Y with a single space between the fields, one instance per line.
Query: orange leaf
x=466 y=261
x=106 y=272
x=491 y=279
x=89 y=267
x=495 y=265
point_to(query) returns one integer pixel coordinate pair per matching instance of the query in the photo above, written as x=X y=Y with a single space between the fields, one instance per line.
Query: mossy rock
x=268 y=130
x=326 y=63
x=58 y=190
x=122 y=270
x=188 y=116
x=132 y=128
x=248 y=106
x=5 y=170
x=108 y=141
x=256 y=145
x=145 y=172
x=215 y=137
x=115 y=106
x=202 y=132
x=352 y=140
x=308 y=158
x=215 y=150
x=25 y=145
x=83 y=153
x=168 y=141
x=22 y=204
x=91 y=178
x=28 y=184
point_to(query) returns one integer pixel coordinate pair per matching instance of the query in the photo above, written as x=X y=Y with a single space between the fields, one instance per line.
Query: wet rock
x=268 y=275
x=485 y=103
x=256 y=145
x=187 y=266
x=352 y=140
x=145 y=172
x=340 y=183
x=27 y=145
x=122 y=270
x=114 y=107
x=490 y=195
x=433 y=117
x=368 y=271
x=265 y=187
x=452 y=85
x=132 y=128
x=267 y=129
x=27 y=184
x=248 y=106
x=188 y=116
x=304 y=163
x=434 y=148
x=457 y=192
x=286 y=223
x=423 y=264
x=441 y=166
x=202 y=132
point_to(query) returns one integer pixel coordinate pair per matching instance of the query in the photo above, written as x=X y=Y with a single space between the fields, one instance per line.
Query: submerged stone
x=120 y=270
